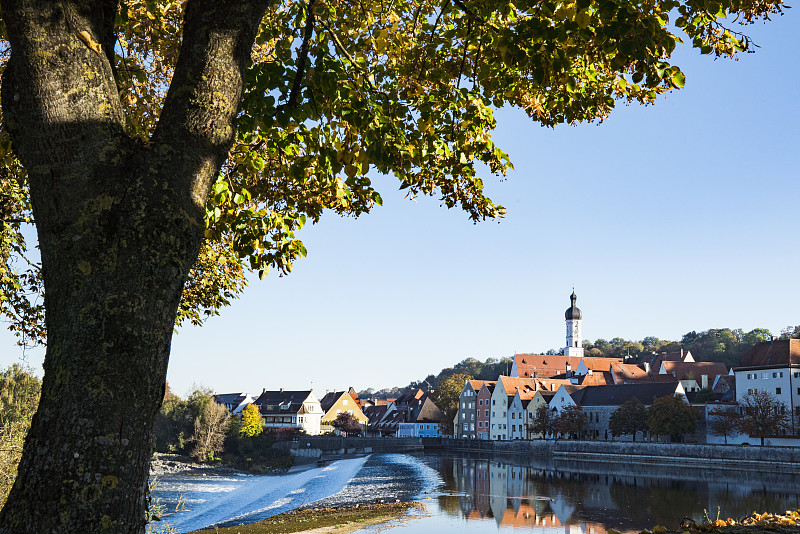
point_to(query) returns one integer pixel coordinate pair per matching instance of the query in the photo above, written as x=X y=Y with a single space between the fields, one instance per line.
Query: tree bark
x=120 y=224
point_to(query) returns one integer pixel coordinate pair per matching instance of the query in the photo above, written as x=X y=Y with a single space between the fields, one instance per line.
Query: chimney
x=590 y=372
x=281 y=390
x=704 y=381
x=647 y=367
x=569 y=370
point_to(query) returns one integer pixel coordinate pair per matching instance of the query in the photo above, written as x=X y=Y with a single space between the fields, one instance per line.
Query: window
x=463 y=415
x=338 y=411
x=344 y=402
x=764 y=375
x=465 y=426
x=472 y=416
x=777 y=391
x=480 y=402
x=472 y=427
x=797 y=375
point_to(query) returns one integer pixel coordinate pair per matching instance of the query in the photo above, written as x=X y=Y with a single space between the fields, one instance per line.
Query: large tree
x=672 y=416
x=141 y=134
x=629 y=418
x=446 y=398
x=764 y=415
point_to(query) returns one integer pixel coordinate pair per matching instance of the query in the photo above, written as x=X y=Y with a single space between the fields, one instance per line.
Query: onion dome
x=573 y=312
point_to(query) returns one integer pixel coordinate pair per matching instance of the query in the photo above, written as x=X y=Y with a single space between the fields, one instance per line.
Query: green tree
x=19 y=396
x=722 y=422
x=446 y=398
x=628 y=419
x=544 y=422
x=174 y=424
x=764 y=415
x=251 y=422
x=705 y=395
x=571 y=422
x=348 y=424
x=162 y=148
x=671 y=416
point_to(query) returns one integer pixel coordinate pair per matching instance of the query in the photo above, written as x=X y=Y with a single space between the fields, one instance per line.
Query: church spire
x=573 y=317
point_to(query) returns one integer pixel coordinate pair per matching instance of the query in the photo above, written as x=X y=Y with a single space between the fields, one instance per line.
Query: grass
x=333 y=520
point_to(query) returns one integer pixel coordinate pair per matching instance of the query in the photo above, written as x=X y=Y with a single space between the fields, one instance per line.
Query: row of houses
x=413 y=414
x=504 y=409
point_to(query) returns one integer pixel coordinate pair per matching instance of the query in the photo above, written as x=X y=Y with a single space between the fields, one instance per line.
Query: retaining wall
x=673 y=453
x=316 y=446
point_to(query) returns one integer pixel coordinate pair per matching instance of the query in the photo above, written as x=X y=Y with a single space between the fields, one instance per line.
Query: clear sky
x=665 y=219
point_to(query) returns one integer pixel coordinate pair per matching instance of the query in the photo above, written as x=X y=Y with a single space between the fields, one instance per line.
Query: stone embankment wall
x=652 y=453
x=317 y=446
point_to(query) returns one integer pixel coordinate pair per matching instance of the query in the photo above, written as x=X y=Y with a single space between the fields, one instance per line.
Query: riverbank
x=324 y=520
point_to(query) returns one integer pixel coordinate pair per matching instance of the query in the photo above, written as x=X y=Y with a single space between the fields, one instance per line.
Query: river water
x=469 y=492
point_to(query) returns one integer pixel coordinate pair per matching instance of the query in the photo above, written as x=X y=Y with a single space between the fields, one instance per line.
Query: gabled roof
x=513 y=384
x=429 y=413
x=694 y=370
x=476 y=384
x=600 y=364
x=409 y=397
x=628 y=373
x=616 y=395
x=777 y=353
x=489 y=384
x=596 y=379
x=544 y=365
x=375 y=413
x=281 y=401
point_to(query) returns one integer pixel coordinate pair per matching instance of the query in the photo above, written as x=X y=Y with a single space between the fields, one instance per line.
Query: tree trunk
x=119 y=224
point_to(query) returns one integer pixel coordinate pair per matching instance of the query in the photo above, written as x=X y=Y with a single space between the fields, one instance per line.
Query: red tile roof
x=781 y=352
x=695 y=370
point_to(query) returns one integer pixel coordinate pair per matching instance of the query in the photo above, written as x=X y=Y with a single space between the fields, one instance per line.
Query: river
x=469 y=492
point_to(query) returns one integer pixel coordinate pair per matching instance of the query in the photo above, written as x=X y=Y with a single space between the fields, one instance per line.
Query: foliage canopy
x=340 y=88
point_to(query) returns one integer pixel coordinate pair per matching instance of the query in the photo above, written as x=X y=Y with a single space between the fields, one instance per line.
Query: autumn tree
x=163 y=148
x=628 y=419
x=722 y=422
x=446 y=398
x=211 y=423
x=251 y=421
x=544 y=422
x=347 y=424
x=671 y=416
x=571 y=421
x=764 y=415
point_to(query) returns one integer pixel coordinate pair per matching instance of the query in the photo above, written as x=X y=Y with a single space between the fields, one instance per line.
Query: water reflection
x=590 y=497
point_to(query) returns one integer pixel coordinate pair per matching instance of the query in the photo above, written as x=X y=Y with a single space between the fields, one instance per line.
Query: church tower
x=573 y=317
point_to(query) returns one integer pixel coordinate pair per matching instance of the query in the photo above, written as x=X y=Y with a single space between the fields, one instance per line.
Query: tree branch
x=302 y=57
x=196 y=127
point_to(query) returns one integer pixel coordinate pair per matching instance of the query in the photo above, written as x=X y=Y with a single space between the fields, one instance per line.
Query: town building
x=482 y=413
x=773 y=366
x=290 y=409
x=467 y=417
x=599 y=402
x=338 y=402
x=234 y=402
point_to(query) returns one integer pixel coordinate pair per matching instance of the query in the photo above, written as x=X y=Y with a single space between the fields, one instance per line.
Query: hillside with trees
x=723 y=345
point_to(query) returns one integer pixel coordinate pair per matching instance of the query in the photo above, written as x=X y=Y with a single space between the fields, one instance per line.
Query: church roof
x=573 y=312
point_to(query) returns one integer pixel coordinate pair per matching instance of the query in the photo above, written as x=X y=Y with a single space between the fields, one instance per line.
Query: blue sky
x=669 y=218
